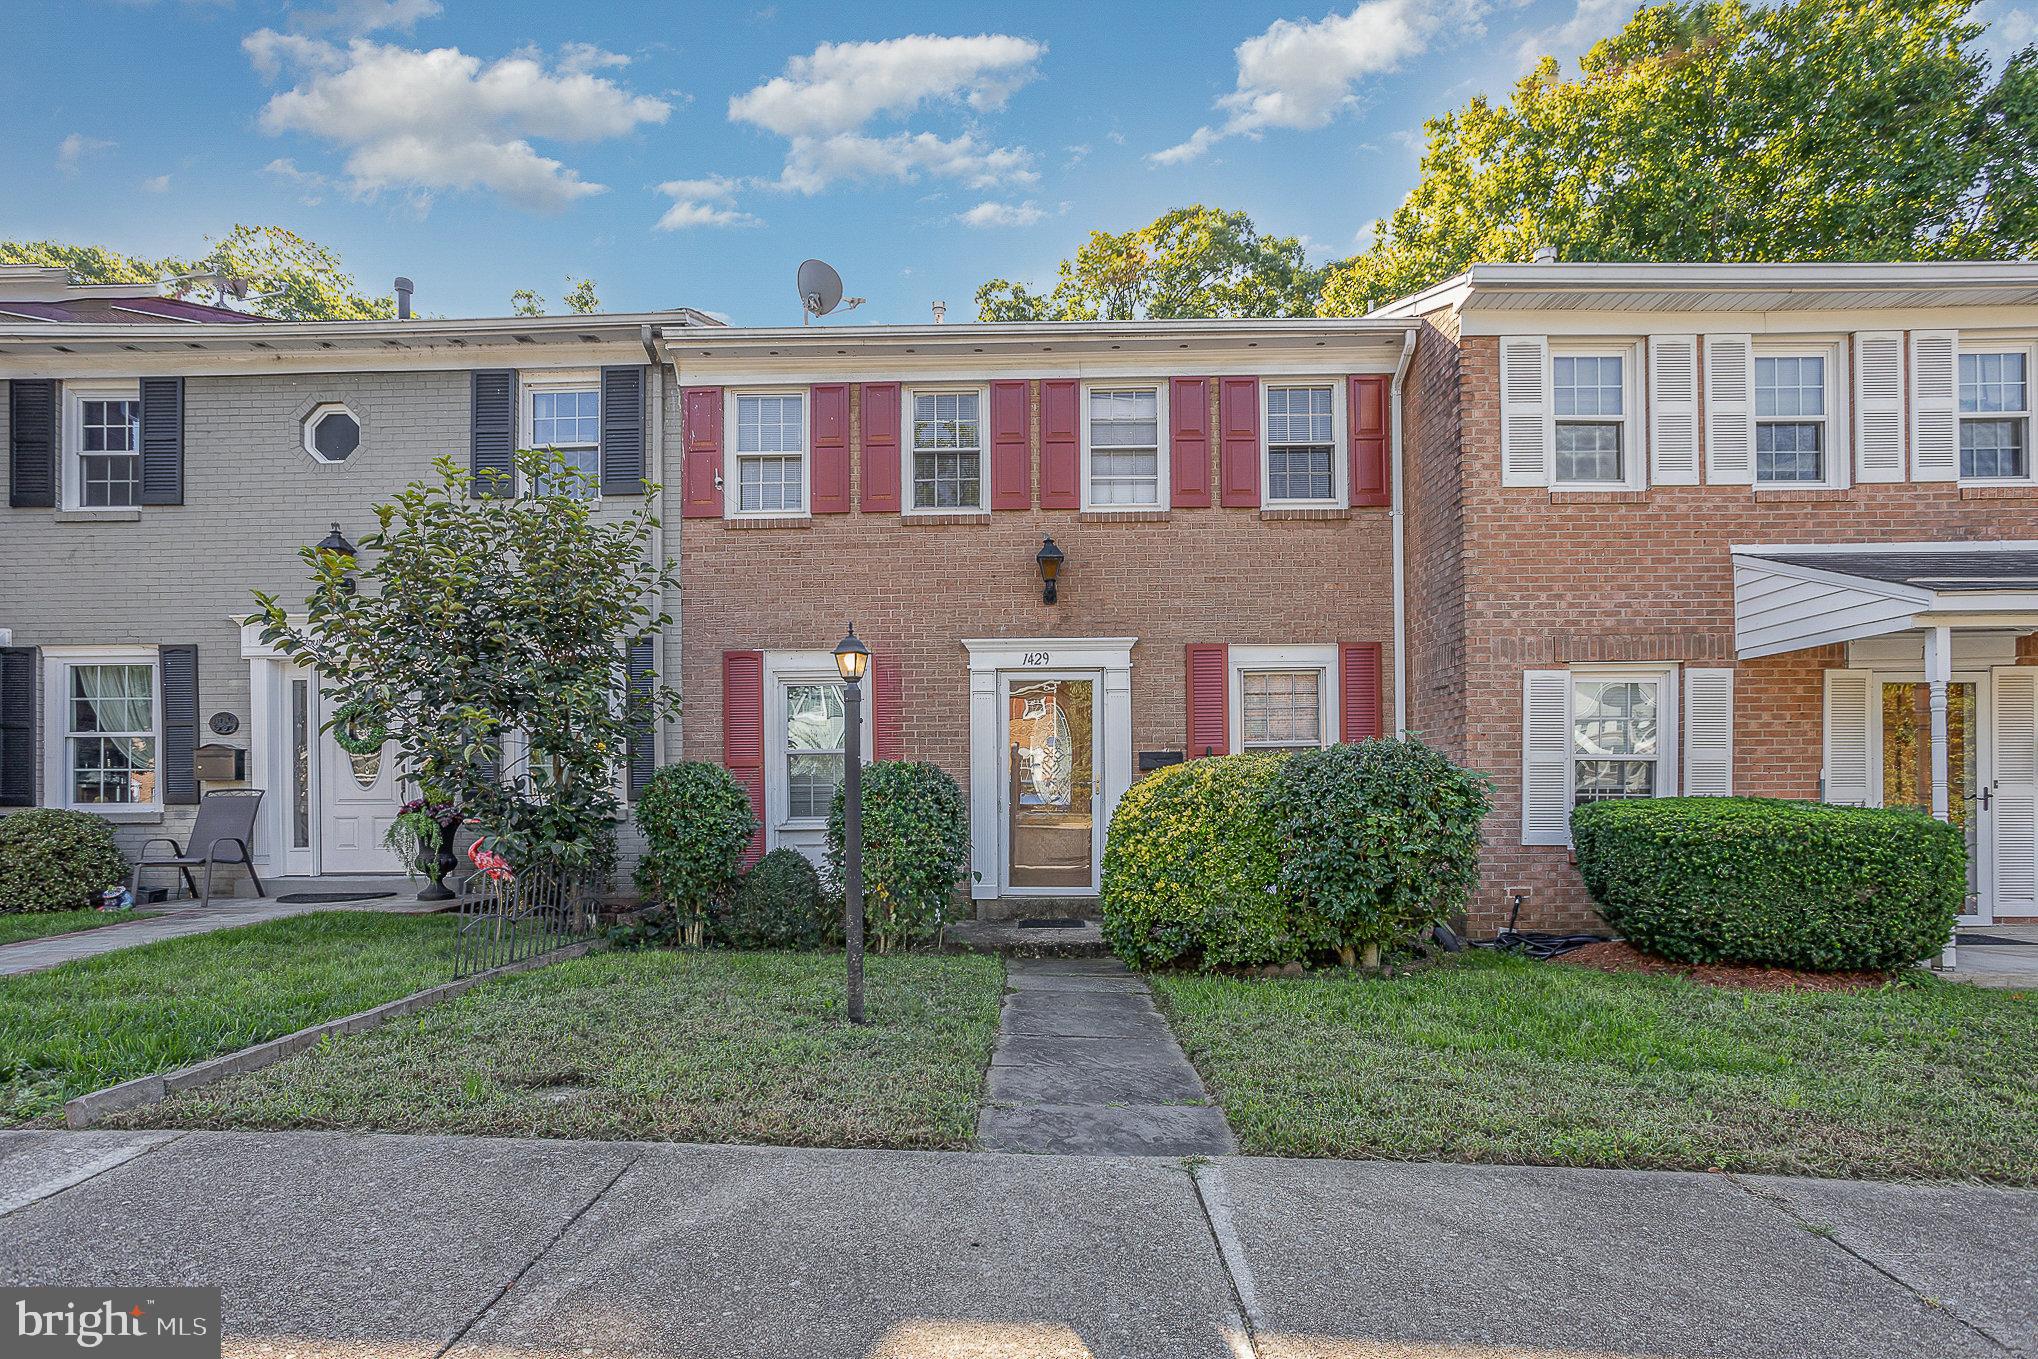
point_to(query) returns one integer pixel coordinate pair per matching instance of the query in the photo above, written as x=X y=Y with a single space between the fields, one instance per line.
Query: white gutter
x=655 y=448
x=1395 y=526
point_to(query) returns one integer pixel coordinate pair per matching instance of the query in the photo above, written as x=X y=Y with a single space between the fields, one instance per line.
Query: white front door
x=1052 y=833
x=2013 y=790
x=358 y=797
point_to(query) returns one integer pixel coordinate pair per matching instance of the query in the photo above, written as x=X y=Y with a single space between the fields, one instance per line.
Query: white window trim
x=57 y=662
x=2030 y=352
x=1255 y=659
x=1839 y=416
x=556 y=380
x=1163 y=482
x=1669 y=749
x=906 y=396
x=310 y=424
x=1634 y=449
x=1340 y=443
x=782 y=669
x=73 y=438
x=732 y=479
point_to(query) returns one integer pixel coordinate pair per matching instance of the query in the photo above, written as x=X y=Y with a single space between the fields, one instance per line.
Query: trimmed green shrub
x=54 y=860
x=915 y=850
x=697 y=822
x=1192 y=868
x=1781 y=884
x=777 y=905
x=1379 y=840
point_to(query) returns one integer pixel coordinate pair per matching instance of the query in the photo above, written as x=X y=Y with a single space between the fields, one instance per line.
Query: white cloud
x=425 y=121
x=703 y=202
x=1589 y=22
x=585 y=56
x=1302 y=75
x=156 y=184
x=2011 y=28
x=995 y=214
x=355 y=18
x=72 y=150
x=815 y=163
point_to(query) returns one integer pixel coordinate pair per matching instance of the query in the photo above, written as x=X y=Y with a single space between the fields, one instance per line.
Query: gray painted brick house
x=167 y=458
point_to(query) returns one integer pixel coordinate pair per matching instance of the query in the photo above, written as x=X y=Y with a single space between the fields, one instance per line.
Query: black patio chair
x=224 y=833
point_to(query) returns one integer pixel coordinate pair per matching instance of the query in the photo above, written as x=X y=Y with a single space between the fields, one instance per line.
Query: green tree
x=289 y=278
x=524 y=302
x=1814 y=130
x=1191 y=262
x=580 y=297
x=486 y=638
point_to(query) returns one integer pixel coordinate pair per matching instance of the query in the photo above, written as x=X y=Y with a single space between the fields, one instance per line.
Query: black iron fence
x=504 y=919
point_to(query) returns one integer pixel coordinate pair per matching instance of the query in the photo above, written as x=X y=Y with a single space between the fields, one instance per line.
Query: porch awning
x=1791 y=597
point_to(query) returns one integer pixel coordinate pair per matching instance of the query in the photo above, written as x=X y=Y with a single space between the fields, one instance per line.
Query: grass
x=684 y=1046
x=40 y=924
x=1501 y=1060
x=152 y=1008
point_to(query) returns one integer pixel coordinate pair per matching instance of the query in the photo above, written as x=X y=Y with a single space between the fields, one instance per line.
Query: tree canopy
x=290 y=278
x=1814 y=130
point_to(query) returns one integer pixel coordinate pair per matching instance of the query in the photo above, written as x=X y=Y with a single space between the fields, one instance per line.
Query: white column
x=1938 y=678
x=986 y=767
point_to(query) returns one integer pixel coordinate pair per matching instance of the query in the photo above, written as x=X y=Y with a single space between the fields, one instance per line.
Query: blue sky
x=693 y=153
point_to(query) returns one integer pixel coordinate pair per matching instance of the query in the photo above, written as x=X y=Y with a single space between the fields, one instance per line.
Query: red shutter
x=1369 y=417
x=743 y=734
x=1189 y=443
x=1238 y=424
x=1209 y=699
x=1060 y=462
x=830 y=408
x=880 y=447
x=887 y=736
x=701 y=472
x=1011 y=450
x=1358 y=697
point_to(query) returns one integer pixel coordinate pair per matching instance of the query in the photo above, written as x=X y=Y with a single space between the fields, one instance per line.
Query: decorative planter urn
x=438 y=865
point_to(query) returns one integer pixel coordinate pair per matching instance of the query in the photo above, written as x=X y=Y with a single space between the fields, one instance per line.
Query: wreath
x=358 y=728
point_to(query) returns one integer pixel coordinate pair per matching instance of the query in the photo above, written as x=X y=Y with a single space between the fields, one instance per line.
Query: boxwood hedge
x=1763 y=881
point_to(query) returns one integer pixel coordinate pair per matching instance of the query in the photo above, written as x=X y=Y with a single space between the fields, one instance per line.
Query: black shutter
x=175 y=767
x=17 y=726
x=643 y=740
x=622 y=430
x=32 y=443
x=492 y=453
x=162 y=441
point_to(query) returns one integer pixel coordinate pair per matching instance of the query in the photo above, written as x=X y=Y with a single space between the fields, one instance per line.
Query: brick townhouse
x=1644 y=529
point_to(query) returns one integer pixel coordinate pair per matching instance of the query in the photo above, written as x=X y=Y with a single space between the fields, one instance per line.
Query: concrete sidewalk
x=411 y=1247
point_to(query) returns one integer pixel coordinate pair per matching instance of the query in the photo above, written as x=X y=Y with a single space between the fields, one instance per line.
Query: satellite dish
x=820 y=288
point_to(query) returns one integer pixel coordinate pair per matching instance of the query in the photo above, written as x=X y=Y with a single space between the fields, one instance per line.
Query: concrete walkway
x=343 y=1246
x=2011 y=965
x=177 y=918
x=1084 y=1063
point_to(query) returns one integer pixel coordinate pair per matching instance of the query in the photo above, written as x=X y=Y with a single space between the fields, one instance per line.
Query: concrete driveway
x=411 y=1247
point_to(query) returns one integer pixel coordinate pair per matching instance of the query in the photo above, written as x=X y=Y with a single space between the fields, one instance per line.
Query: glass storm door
x=1907 y=764
x=1051 y=785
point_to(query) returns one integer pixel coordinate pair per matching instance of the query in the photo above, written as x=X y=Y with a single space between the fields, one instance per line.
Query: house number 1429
x=1034 y=658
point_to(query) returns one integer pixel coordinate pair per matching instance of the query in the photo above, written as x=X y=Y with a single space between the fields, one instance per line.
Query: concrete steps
x=1021 y=941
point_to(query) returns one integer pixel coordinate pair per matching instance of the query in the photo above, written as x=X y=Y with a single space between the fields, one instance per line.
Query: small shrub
x=54 y=860
x=697 y=823
x=778 y=905
x=915 y=850
x=1379 y=840
x=1782 y=884
x=1192 y=868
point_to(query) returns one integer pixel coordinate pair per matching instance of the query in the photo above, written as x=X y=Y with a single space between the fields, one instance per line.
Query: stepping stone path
x=1084 y=1063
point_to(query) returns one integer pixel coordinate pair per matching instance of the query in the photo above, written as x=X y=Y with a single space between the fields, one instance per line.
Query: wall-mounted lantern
x=1050 y=559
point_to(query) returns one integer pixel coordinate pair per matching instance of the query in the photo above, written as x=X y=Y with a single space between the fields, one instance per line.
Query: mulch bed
x=1621 y=957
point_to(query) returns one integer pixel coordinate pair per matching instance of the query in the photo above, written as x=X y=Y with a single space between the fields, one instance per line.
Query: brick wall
x=1433 y=503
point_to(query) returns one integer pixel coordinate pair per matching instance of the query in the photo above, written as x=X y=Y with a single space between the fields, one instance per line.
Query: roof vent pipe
x=940 y=312
x=404 y=288
x=1546 y=254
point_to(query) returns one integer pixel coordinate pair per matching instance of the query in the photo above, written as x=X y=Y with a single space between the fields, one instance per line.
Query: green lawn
x=37 y=924
x=91 y=1023
x=686 y=1046
x=1495 y=1059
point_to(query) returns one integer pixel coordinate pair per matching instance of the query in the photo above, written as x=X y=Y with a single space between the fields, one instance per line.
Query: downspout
x=649 y=337
x=1395 y=523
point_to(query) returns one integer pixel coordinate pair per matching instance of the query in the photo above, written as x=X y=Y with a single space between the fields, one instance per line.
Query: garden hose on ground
x=1528 y=943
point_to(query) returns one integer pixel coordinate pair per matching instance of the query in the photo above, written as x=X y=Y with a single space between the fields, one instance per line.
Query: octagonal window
x=332 y=433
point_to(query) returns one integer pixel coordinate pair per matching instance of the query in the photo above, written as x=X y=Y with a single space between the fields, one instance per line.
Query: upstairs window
x=771 y=453
x=948 y=451
x=1791 y=436
x=1589 y=402
x=1301 y=445
x=1125 y=447
x=568 y=419
x=103 y=441
x=1995 y=415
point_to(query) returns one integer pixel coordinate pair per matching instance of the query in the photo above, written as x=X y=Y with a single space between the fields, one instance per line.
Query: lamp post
x=852 y=658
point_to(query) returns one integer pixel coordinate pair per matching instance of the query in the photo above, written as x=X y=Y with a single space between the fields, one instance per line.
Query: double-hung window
x=1792 y=432
x=103 y=445
x=565 y=416
x=1616 y=737
x=1589 y=405
x=1995 y=414
x=107 y=729
x=946 y=455
x=1124 y=431
x=1282 y=697
x=771 y=453
x=1301 y=422
x=815 y=740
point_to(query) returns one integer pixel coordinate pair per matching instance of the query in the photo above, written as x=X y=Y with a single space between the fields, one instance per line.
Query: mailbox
x=218 y=763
